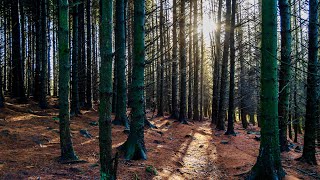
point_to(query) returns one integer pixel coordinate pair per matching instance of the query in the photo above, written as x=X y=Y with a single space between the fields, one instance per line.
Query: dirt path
x=197 y=157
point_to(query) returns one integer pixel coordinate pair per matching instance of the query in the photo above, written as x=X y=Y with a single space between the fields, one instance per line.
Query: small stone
x=85 y=133
x=224 y=142
x=93 y=123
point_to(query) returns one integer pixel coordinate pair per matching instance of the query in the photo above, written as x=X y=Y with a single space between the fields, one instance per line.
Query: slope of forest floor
x=29 y=149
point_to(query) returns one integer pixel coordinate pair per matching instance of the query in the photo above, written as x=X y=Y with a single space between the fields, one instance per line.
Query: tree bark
x=285 y=73
x=183 y=66
x=268 y=165
x=134 y=147
x=105 y=107
x=231 y=111
x=312 y=107
x=120 y=58
x=224 y=71
x=67 y=152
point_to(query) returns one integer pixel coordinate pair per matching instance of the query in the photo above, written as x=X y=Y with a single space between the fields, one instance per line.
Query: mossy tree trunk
x=120 y=58
x=312 y=107
x=134 y=147
x=285 y=73
x=67 y=152
x=268 y=165
x=105 y=107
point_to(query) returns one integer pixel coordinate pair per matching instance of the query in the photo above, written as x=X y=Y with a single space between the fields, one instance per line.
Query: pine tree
x=75 y=105
x=183 y=66
x=134 y=147
x=312 y=107
x=225 y=56
x=216 y=70
x=174 y=101
x=231 y=112
x=67 y=152
x=105 y=107
x=285 y=73
x=120 y=58
x=268 y=165
x=17 y=61
x=44 y=63
x=89 y=58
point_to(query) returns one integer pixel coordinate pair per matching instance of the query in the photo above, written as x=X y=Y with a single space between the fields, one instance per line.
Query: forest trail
x=29 y=143
x=196 y=157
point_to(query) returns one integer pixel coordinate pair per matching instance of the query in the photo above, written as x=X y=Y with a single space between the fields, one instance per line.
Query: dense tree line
x=130 y=56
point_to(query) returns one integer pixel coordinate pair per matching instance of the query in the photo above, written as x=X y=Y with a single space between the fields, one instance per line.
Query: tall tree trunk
x=231 y=112
x=67 y=152
x=216 y=71
x=120 y=58
x=105 y=108
x=183 y=66
x=89 y=58
x=43 y=78
x=312 y=107
x=285 y=73
x=201 y=65
x=17 y=62
x=224 y=70
x=268 y=165
x=75 y=105
x=161 y=75
x=134 y=147
x=190 y=64
x=174 y=101
x=81 y=56
x=2 y=59
x=196 y=63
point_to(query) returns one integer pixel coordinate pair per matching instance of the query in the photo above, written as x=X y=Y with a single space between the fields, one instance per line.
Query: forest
x=159 y=89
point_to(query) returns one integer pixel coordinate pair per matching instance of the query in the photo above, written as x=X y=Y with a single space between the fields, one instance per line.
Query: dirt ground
x=29 y=149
